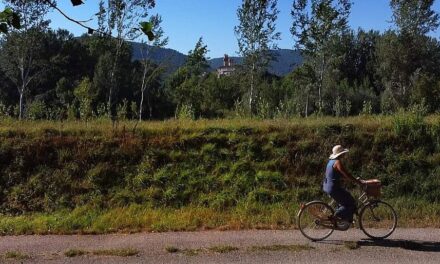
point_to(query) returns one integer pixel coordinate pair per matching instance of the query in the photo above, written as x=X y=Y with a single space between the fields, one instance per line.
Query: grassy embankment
x=75 y=177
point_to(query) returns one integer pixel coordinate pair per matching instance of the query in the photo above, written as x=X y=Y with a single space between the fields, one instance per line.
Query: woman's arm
x=338 y=166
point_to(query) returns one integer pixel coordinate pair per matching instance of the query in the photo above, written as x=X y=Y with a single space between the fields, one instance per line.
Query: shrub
x=37 y=110
x=103 y=176
x=264 y=196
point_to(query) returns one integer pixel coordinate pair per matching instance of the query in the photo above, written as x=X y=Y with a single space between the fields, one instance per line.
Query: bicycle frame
x=363 y=199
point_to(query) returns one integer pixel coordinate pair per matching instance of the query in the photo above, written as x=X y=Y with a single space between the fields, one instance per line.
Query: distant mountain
x=286 y=61
x=171 y=58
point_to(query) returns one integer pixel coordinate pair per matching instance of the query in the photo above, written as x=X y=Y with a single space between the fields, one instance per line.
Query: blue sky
x=184 y=21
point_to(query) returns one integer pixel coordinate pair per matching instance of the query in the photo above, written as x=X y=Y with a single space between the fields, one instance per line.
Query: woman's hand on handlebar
x=361 y=183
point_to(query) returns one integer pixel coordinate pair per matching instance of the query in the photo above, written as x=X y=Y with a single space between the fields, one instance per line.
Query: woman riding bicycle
x=334 y=173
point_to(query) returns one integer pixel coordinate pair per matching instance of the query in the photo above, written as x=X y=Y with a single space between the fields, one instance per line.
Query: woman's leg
x=347 y=204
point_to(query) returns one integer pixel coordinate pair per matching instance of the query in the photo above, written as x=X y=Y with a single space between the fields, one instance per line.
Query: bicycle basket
x=373 y=188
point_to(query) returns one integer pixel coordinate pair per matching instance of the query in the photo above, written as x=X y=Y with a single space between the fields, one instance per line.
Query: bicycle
x=377 y=219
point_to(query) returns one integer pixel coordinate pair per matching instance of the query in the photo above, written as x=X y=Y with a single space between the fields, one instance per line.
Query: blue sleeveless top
x=332 y=178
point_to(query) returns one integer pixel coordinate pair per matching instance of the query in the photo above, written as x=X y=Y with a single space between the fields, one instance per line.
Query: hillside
x=185 y=175
x=286 y=61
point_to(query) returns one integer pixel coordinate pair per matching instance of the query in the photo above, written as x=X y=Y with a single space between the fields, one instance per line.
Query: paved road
x=404 y=246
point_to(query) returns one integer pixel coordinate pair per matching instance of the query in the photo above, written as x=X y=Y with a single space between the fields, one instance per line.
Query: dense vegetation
x=211 y=174
x=345 y=71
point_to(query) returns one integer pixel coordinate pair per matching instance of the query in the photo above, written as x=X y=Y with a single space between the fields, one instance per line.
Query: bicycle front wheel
x=377 y=219
x=313 y=220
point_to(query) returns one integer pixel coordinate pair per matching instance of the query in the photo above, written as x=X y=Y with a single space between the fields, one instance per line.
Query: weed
x=192 y=252
x=294 y=248
x=120 y=252
x=351 y=245
x=223 y=249
x=16 y=255
x=172 y=249
x=75 y=253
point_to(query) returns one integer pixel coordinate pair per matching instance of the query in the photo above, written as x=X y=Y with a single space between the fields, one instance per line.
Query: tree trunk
x=251 y=96
x=141 y=105
x=306 y=113
x=112 y=79
x=20 y=111
x=143 y=87
x=110 y=92
x=150 y=108
x=321 y=81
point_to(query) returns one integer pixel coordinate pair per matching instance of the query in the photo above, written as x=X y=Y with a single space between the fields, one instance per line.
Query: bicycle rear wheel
x=313 y=220
x=378 y=220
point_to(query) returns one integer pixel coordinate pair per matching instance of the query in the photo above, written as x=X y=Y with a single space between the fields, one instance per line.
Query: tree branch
x=89 y=29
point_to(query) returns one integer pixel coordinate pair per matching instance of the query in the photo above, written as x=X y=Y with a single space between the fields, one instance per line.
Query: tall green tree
x=414 y=17
x=150 y=71
x=316 y=27
x=256 y=35
x=407 y=53
x=186 y=84
x=20 y=56
x=121 y=18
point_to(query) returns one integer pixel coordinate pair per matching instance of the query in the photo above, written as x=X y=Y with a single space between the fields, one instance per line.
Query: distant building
x=228 y=67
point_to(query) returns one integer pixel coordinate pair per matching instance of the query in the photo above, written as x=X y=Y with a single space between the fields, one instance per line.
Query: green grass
x=16 y=255
x=143 y=218
x=91 y=177
x=137 y=218
x=106 y=126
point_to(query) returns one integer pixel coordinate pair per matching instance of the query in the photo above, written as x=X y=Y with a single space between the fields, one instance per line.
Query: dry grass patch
x=223 y=249
x=196 y=251
x=172 y=249
x=192 y=251
x=294 y=247
x=119 y=252
x=15 y=255
x=74 y=253
x=351 y=245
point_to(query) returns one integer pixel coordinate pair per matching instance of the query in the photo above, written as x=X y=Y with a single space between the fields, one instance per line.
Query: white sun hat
x=337 y=150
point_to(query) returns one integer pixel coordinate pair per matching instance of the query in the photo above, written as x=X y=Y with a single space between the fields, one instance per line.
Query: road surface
x=253 y=246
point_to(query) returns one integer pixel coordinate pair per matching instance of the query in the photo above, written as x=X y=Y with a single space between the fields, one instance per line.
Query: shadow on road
x=416 y=245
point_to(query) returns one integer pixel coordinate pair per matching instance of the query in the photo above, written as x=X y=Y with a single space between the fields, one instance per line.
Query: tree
x=20 y=57
x=316 y=29
x=121 y=17
x=11 y=18
x=150 y=71
x=185 y=85
x=256 y=35
x=408 y=53
x=414 y=17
